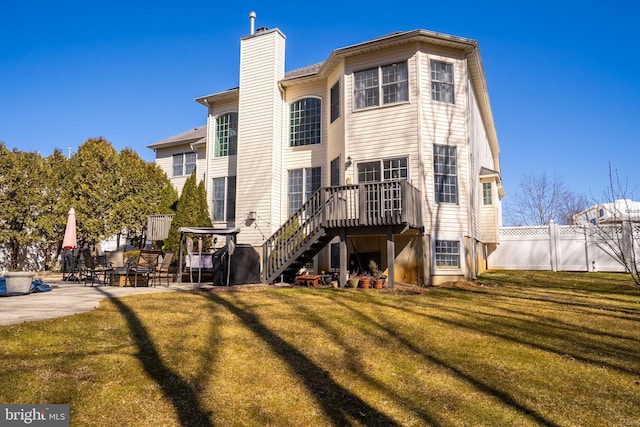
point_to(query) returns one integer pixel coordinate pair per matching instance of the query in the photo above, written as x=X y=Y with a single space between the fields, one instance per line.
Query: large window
x=382 y=85
x=384 y=200
x=335 y=101
x=487 y=198
x=184 y=164
x=224 y=198
x=447 y=254
x=445 y=172
x=302 y=183
x=383 y=170
x=306 y=120
x=226 y=135
x=442 y=81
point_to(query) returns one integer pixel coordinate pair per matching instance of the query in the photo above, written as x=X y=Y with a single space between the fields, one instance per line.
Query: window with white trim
x=184 y=164
x=305 y=122
x=392 y=81
x=226 y=135
x=224 y=198
x=385 y=200
x=442 y=81
x=487 y=197
x=301 y=184
x=445 y=172
x=447 y=254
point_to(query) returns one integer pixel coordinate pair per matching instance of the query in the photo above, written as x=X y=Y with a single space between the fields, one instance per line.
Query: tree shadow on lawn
x=455 y=371
x=494 y=325
x=176 y=389
x=317 y=381
x=355 y=361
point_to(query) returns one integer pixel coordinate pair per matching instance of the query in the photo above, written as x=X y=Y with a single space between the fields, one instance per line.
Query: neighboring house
x=386 y=151
x=609 y=213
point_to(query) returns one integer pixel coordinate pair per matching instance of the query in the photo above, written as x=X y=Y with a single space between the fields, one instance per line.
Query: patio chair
x=163 y=271
x=144 y=267
x=94 y=272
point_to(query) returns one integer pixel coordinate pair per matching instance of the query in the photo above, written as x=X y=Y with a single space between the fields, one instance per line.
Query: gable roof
x=193 y=137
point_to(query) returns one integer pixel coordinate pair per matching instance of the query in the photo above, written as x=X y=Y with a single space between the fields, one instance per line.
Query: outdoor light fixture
x=348 y=162
x=252 y=216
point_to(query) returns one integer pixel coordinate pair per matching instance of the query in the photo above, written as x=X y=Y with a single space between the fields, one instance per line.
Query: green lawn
x=513 y=349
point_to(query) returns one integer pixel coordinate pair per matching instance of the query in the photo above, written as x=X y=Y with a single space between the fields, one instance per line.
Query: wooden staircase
x=327 y=212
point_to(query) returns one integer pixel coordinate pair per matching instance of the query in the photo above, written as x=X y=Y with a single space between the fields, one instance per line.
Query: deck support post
x=391 y=258
x=342 y=280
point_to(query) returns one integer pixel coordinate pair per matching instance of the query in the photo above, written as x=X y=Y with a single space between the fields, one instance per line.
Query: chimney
x=252 y=20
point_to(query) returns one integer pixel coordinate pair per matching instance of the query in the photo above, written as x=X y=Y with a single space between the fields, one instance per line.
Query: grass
x=514 y=348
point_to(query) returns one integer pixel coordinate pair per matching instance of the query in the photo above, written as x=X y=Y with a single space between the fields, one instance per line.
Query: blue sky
x=563 y=76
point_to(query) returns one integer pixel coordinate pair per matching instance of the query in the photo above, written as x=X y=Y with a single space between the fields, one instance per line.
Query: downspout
x=471 y=210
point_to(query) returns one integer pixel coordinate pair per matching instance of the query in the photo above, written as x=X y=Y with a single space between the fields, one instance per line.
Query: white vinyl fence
x=566 y=247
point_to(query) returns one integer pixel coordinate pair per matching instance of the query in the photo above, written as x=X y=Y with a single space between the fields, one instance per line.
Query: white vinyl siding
x=260 y=128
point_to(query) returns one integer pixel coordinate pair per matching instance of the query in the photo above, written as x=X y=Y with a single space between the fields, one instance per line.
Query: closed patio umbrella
x=69 y=243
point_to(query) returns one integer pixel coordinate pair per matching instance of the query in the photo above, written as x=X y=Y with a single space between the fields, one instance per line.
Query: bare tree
x=541 y=199
x=615 y=226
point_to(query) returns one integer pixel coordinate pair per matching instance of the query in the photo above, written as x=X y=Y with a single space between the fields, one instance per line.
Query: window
x=369 y=172
x=305 y=122
x=335 y=172
x=184 y=164
x=335 y=255
x=383 y=200
x=226 y=135
x=442 y=81
x=486 y=194
x=390 y=80
x=447 y=254
x=301 y=182
x=395 y=169
x=335 y=101
x=224 y=198
x=391 y=169
x=445 y=174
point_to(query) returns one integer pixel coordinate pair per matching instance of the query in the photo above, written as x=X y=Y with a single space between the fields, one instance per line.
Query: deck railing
x=362 y=205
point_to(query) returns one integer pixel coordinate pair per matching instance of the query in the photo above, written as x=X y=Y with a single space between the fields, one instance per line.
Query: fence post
x=553 y=245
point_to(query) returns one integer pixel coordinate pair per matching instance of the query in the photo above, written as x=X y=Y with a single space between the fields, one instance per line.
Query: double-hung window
x=381 y=85
x=226 y=135
x=442 y=81
x=184 y=164
x=305 y=122
x=224 y=198
x=487 y=198
x=447 y=254
x=301 y=185
x=445 y=172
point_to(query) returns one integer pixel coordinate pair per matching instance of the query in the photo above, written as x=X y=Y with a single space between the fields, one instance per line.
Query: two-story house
x=386 y=151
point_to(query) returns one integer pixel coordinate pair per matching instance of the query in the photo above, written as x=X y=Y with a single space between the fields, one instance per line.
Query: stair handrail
x=282 y=245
